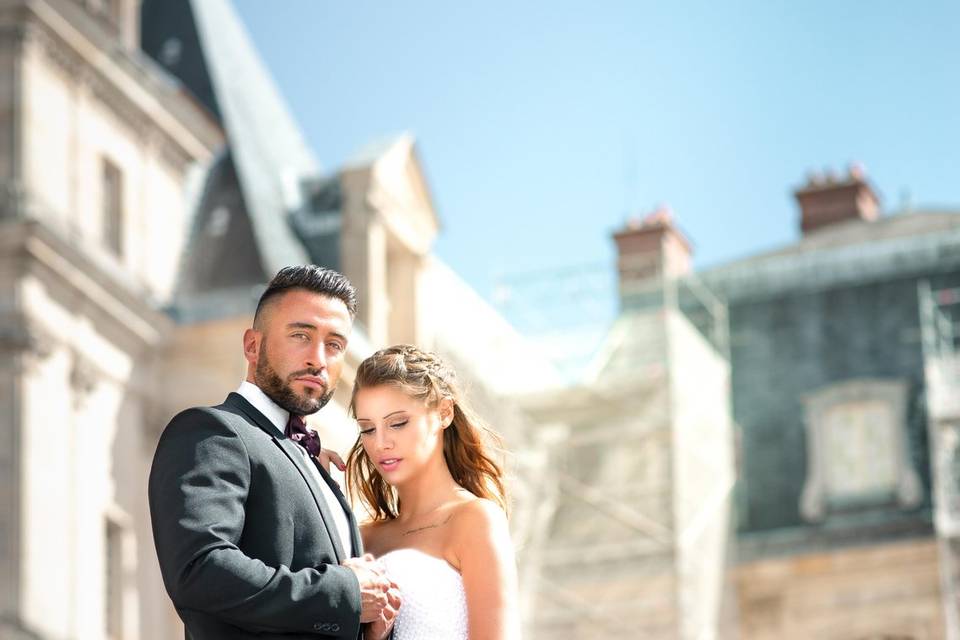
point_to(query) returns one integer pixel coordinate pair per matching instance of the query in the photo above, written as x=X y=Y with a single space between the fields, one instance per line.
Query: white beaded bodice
x=434 y=603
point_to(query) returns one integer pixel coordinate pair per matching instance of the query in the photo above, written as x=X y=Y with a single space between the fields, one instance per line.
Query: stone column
x=22 y=348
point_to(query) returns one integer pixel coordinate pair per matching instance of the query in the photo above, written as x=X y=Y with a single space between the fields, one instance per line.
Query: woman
x=436 y=500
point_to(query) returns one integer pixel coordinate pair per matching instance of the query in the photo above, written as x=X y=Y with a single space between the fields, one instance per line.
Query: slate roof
x=855 y=232
x=241 y=232
x=903 y=244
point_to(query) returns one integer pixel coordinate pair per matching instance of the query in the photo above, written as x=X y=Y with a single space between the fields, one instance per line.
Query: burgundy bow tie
x=298 y=432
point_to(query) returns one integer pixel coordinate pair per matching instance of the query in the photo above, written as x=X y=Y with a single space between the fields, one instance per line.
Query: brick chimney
x=828 y=199
x=651 y=248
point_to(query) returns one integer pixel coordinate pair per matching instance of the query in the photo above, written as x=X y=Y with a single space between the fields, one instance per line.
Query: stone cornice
x=149 y=104
x=136 y=316
x=23 y=335
x=19 y=334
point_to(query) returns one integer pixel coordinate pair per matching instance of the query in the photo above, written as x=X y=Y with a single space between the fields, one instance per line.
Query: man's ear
x=251 y=345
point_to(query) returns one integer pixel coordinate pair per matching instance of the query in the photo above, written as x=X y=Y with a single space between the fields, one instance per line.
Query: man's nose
x=317 y=356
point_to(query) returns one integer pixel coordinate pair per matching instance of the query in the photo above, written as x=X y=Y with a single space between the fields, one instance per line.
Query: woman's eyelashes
x=365 y=430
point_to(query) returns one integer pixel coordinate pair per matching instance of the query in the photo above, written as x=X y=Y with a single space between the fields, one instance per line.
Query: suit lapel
x=355 y=541
x=290 y=449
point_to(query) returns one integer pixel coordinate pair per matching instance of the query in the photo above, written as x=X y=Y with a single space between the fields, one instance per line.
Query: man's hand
x=380 y=628
x=374 y=586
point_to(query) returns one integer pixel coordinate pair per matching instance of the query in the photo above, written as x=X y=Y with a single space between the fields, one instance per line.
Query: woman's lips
x=388 y=464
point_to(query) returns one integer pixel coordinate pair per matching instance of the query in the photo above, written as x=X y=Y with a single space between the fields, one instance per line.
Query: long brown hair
x=424 y=376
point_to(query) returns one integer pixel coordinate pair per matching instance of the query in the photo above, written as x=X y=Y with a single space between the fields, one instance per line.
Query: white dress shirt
x=279 y=416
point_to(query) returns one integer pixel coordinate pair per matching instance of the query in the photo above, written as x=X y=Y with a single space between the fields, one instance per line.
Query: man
x=254 y=538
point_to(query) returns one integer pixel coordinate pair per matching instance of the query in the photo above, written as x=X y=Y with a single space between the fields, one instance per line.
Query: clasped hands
x=379 y=596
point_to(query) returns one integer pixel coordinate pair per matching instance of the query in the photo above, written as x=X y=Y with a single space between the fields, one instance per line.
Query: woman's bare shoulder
x=480 y=540
x=476 y=507
x=475 y=518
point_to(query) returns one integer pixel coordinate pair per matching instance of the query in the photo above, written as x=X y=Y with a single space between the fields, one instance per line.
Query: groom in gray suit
x=254 y=538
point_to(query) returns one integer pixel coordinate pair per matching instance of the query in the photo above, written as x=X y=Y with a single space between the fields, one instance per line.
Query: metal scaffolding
x=627 y=496
x=939 y=323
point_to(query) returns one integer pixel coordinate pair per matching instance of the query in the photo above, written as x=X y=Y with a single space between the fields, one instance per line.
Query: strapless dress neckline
x=434 y=603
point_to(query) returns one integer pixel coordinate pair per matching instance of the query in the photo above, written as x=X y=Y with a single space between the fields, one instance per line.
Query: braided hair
x=424 y=376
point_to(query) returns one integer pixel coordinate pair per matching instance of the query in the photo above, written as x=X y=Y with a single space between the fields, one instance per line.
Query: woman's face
x=399 y=434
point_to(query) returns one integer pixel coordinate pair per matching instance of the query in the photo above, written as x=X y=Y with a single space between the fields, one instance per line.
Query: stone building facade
x=836 y=535
x=96 y=147
x=822 y=376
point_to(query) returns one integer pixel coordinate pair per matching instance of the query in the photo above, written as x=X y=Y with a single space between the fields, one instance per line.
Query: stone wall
x=75 y=117
x=703 y=475
x=877 y=591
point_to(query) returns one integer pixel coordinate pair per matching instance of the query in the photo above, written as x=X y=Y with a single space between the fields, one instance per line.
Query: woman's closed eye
x=368 y=430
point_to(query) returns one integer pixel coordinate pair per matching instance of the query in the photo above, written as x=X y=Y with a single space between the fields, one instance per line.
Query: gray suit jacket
x=247 y=545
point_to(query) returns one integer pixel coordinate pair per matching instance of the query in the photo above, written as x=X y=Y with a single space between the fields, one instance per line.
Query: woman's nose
x=382 y=440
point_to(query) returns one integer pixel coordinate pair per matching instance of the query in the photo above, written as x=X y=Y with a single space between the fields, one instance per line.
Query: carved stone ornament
x=14 y=203
x=19 y=336
x=38 y=37
x=84 y=376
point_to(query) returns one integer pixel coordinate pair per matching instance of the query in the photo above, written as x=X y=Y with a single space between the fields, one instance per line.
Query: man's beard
x=282 y=393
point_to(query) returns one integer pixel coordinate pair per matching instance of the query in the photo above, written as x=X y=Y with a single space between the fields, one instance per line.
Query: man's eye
x=299 y=336
x=335 y=346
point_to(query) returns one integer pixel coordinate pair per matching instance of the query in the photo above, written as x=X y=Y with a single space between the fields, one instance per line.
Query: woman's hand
x=380 y=628
x=326 y=456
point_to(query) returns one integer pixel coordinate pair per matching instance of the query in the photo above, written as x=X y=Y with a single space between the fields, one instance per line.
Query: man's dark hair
x=310 y=277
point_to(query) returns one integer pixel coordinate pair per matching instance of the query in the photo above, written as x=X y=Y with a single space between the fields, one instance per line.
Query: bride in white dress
x=436 y=501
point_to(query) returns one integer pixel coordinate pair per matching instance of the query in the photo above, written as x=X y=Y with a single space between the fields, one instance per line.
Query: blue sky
x=542 y=125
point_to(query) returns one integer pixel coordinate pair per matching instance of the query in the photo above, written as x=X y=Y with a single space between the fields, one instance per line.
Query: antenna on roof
x=906 y=200
x=631 y=178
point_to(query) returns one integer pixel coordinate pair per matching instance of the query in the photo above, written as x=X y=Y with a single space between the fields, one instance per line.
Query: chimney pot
x=834 y=200
x=651 y=248
x=857 y=171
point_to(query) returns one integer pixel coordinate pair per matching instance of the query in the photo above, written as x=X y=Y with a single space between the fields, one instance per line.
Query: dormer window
x=857 y=450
